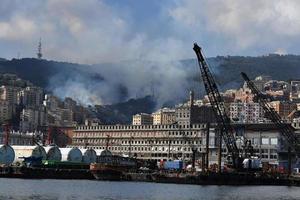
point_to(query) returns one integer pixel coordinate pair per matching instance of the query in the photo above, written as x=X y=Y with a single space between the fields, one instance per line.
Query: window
x=274 y=141
x=265 y=141
x=264 y=156
x=255 y=141
x=273 y=156
x=264 y=151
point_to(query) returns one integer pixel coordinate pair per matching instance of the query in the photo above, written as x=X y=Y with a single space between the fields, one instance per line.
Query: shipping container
x=173 y=165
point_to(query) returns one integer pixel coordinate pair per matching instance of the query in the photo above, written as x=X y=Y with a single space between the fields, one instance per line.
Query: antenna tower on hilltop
x=39 y=54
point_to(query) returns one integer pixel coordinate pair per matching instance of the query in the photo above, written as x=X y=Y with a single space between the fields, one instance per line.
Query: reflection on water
x=18 y=189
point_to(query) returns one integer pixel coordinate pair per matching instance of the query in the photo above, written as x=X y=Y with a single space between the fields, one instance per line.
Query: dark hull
x=115 y=174
x=110 y=172
x=44 y=173
x=222 y=179
x=108 y=175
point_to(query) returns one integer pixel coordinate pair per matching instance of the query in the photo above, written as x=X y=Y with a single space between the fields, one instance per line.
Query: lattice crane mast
x=217 y=104
x=286 y=129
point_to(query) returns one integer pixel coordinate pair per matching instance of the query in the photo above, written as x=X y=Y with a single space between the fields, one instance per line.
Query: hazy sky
x=95 y=31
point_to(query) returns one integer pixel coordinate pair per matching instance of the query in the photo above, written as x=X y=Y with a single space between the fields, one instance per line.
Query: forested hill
x=52 y=74
x=226 y=70
x=279 y=67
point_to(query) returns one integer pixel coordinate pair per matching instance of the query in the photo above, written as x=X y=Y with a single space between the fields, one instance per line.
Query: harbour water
x=19 y=189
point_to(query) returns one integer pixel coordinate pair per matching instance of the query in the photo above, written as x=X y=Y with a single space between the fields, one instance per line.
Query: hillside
x=104 y=84
x=122 y=112
x=40 y=72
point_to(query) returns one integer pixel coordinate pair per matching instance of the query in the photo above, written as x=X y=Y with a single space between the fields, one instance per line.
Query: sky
x=101 y=31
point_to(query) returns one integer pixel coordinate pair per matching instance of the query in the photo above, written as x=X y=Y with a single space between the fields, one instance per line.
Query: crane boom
x=217 y=104
x=286 y=129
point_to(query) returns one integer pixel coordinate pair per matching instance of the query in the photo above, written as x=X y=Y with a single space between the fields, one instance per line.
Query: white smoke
x=94 y=31
x=166 y=81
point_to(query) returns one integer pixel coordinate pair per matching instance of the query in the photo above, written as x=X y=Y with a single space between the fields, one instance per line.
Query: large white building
x=147 y=141
x=175 y=142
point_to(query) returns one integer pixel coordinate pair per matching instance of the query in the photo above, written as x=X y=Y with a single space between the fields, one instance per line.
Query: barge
x=113 y=168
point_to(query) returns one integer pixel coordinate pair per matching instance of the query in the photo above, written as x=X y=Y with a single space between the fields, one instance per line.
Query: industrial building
x=177 y=142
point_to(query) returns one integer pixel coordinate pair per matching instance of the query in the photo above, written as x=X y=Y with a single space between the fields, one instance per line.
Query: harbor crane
x=285 y=129
x=217 y=103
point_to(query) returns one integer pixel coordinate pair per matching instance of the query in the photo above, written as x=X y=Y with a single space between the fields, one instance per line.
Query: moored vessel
x=112 y=167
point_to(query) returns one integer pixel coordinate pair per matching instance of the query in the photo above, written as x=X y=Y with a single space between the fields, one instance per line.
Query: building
x=229 y=95
x=203 y=114
x=31 y=96
x=274 y=85
x=175 y=142
x=60 y=114
x=243 y=95
x=146 y=141
x=33 y=119
x=268 y=143
x=61 y=117
x=52 y=102
x=184 y=112
x=295 y=91
x=279 y=95
x=283 y=108
x=92 y=122
x=18 y=138
x=260 y=81
x=142 y=119
x=164 y=116
x=248 y=113
x=6 y=111
x=191 y=113
x=9 y=94
x=70 y=104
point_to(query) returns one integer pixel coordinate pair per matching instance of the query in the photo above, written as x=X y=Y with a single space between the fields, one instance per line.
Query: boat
x=112 y=168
